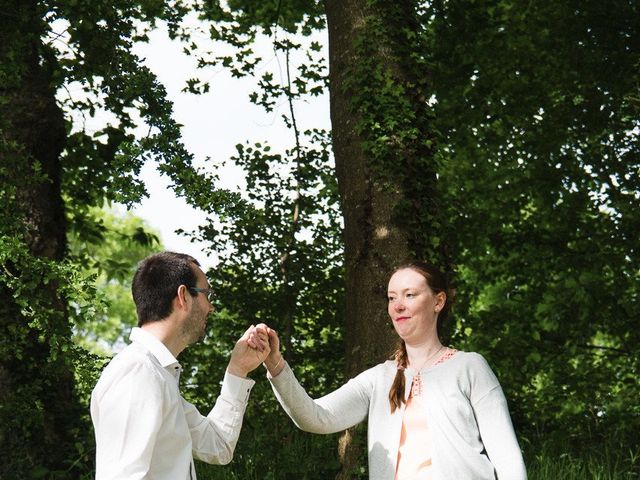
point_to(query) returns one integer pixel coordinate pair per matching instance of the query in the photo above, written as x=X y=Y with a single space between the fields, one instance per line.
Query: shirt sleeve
x=127 y=416
x=340 y=409
x=494 y=423
x=215 y=436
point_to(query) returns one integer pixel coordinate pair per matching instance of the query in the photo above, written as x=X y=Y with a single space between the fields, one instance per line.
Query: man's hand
x=246 y=357
x=274 y=361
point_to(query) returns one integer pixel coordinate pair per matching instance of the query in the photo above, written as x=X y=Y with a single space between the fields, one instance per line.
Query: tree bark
x=377 y=238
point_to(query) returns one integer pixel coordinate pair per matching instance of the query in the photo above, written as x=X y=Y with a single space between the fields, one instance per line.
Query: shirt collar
x=155 y=346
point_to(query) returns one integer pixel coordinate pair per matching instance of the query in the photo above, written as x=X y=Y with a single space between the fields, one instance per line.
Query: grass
x=300 y=456
x=547 y=462
x=605 y=465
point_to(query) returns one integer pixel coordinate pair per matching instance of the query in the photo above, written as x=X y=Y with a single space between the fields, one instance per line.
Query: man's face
x=194 y=327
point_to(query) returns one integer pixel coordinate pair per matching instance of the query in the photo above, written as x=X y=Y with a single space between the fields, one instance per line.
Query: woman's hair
x=437 y=282
x=156 y=282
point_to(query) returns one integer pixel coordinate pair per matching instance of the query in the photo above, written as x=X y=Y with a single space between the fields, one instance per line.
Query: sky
x=213 y=124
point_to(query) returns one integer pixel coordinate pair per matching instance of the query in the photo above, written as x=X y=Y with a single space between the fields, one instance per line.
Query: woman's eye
x=411 y=295
x=391 y=299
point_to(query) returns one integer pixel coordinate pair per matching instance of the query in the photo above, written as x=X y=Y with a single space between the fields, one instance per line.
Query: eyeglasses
x=207 y=291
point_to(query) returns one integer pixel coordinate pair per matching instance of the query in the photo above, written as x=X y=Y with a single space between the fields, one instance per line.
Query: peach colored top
x=414 y=452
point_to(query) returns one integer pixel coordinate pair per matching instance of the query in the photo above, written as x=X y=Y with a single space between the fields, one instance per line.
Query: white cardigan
x=473 y=438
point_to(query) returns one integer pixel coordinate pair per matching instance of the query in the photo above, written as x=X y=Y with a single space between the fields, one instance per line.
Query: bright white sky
x=213 y=124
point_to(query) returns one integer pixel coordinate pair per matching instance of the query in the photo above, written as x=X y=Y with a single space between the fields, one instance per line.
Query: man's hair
x=156 y=283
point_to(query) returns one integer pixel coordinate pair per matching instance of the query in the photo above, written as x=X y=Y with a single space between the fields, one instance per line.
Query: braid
x=396 y=393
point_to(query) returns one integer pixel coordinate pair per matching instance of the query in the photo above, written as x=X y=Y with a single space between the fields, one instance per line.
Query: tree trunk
x=384 y=224
x=39 y=411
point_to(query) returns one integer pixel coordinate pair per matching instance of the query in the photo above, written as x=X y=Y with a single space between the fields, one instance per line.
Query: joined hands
x=273 y=361
x=250 y=350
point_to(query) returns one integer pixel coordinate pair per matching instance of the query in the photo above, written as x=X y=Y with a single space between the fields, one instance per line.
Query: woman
x=433 y=412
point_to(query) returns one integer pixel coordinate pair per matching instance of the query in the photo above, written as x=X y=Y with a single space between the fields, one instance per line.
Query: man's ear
x=180 y=299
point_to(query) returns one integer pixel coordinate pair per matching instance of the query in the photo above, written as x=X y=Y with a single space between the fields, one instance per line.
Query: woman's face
x=413 y=307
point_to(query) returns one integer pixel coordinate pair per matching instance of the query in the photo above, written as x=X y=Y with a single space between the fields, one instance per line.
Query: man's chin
x=202 y=336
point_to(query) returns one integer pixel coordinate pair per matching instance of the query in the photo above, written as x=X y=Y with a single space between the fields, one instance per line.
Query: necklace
x=416 y=383
x=424 y=364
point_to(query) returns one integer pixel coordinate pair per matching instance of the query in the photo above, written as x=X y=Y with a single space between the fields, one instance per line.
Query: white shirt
x=469 y=423
x=145 y=429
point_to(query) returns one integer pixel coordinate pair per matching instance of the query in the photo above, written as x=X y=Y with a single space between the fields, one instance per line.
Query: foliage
x=278 y=241
x=535 y=102
x=280 y=264
x=109 y=249
x=45 y=329
x=531 y=110
x=63 y=64
x=536 y=122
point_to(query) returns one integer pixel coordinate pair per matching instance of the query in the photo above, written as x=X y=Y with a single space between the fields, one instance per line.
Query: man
x=143 y=426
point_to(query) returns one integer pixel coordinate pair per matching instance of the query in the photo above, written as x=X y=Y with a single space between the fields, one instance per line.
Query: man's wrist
x=237 y=371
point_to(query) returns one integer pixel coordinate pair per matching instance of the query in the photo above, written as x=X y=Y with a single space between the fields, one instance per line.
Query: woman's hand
x=274 y=361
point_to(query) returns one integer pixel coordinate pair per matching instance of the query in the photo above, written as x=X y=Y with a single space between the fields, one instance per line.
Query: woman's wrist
x=274 y=368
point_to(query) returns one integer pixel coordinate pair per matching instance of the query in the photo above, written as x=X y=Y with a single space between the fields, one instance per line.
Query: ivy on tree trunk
x=39 y=413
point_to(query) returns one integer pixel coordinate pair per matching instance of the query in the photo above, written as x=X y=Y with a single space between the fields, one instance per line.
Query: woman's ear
x=441 y=299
